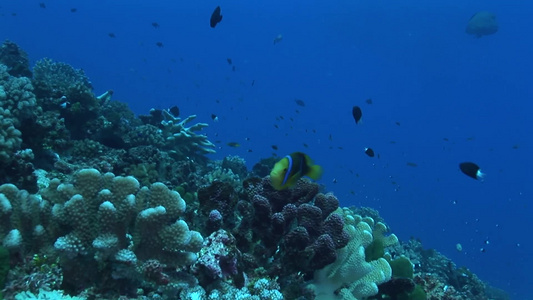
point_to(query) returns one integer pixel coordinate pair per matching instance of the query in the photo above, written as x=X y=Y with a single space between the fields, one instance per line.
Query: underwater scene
x=255 y=150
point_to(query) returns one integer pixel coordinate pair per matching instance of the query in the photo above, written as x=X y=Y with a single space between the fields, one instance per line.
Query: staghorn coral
x=183 y=141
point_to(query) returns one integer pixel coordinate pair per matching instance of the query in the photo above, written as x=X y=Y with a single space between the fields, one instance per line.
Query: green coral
x=402 y=267
x=417 y=294
x=375 y=250
x=146 y=173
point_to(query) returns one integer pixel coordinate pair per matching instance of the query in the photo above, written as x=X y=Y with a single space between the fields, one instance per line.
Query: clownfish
x=291 y=168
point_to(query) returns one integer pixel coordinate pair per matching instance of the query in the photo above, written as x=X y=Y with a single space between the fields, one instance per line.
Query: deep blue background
x=413 y=58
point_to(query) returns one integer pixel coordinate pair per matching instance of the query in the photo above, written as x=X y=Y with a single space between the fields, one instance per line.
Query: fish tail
x=315 y=172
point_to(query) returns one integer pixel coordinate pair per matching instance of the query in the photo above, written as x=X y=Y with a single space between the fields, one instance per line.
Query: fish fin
x=315 y=172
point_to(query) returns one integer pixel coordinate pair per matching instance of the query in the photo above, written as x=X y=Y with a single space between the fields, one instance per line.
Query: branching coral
x=183 y=141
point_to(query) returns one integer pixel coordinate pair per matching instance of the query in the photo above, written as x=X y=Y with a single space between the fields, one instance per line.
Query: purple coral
x=328 y=203
x=218 y=258
x=290 y=211
x=310 y=217
x=278 y=223
x=263 y=210
x=334 y=226
x=296 y=239
x=153 y=270
x=220 y=196
x=214 y=221
x=324 y=252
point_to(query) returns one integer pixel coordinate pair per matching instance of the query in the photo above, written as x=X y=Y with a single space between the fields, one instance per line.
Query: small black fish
x=111 y=35
x=155 y=25
x=175 y=111
x=233 y=68
x=369 y=152
x=73 y=10
x=330 y=137
x=159 y=44
x=368 y=101
x=306 y=146
x=42 y=5
x=250 y=150
x=214 y=117
x=470 y=169
x=299 y=102
x=412 y=164
x=274 y=147
x=216 y=17
x=229 y=61
x=296 y=111
x=276 y=125
x=397 y=123
x=357 y=114
x=278 y=39
x=253 y=82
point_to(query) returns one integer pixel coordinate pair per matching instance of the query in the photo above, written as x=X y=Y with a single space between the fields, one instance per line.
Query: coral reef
x=16 y=60
x=97 y=203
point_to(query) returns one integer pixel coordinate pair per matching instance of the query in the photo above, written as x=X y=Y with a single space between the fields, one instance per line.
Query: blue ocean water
x=439 y=97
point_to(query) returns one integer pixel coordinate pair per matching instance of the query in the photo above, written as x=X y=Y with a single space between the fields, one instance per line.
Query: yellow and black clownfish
x=291 y=168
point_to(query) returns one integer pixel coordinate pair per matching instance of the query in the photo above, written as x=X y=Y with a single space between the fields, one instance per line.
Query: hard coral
x=91 y=220
x=217 y=259
x=15 y=59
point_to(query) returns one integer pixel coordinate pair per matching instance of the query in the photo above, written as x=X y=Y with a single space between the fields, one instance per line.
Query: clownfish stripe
x=289 y=169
